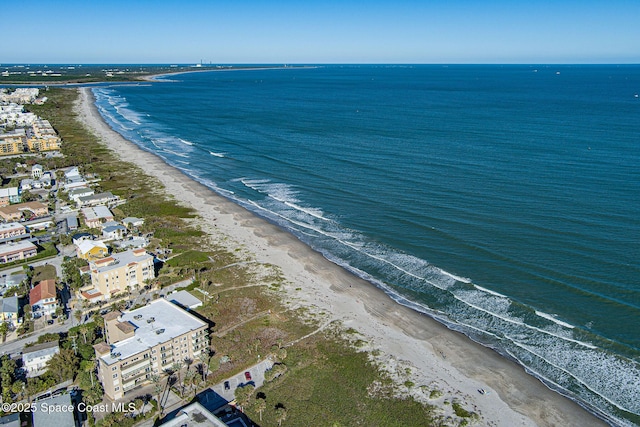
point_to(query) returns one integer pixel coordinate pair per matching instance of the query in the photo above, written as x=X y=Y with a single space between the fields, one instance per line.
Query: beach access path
x=436 y=356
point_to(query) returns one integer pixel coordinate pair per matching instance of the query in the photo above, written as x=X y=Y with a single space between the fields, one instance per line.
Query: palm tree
x=176 y=369
x=89 y=367
x=281 y=413
x=204 y=358
x=78 y=315
x=261 y=405
x=84 y=331
x=157 y=388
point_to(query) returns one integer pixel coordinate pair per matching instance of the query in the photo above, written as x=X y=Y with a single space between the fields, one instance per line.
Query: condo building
x=118 y=272
x=144 y=342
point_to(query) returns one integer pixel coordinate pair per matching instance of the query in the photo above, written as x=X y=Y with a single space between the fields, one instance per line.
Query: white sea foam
x=489 y=291
x=572 y=375
x=516 y=321
x=453 y=276
x=554 y=319
x=216 y=154
x=184 y=141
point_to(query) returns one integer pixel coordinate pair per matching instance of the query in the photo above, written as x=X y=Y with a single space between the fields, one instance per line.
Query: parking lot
x=239 y=380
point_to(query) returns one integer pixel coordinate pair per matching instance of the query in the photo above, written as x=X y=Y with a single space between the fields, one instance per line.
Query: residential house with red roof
x=42 y=298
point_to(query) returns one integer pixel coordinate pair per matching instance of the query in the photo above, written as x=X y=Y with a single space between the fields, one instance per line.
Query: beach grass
x=326 y=377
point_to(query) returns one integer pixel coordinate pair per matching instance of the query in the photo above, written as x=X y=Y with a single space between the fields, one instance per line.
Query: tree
x=261 y=405
x=176 y=369
x=18 y=388
x=84 y=331
x=27 y=312
x=63 y=365
x=4 y=328
x=205 y=356
x=157 y=388
x=281 y=413
x=78 y=315
x=243 y=394
x=89 y=366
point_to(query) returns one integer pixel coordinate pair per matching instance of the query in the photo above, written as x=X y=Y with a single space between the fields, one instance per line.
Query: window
x=114 y=368
x=116 y=389
x=115 y=375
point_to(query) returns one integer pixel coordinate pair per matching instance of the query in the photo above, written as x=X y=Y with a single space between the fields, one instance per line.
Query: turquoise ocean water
x=502 y=200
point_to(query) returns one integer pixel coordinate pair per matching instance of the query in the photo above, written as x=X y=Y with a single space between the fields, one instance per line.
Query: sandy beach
x=438 y=357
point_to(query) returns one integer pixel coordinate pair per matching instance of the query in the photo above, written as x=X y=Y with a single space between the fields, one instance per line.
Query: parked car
x=226 y=385
x=49 y=322
x=247 y=375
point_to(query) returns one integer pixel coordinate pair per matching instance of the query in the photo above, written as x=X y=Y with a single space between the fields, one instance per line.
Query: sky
x=316 y=32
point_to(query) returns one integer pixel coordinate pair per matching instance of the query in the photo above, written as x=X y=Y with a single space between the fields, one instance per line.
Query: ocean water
x=502 y=200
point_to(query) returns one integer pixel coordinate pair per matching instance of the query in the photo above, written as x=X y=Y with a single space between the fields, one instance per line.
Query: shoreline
x=437 y=356
x=155 y=77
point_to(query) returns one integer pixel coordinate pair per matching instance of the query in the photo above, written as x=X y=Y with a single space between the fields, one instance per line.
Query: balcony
x=136 y=365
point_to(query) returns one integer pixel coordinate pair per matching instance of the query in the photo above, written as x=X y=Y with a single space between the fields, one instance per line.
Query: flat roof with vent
x=158 y=322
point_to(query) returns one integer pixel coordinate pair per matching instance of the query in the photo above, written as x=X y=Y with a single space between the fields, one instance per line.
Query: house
x=36 y=172
x=114 y=232
x=9 y=280
x=118 y=272
x=73 y=179
x=14 y=251
x=145 y=341
x=72 y=223
x=96 y=199
x=79 y=237
x=12 y=230
x=91 y=250
x=43 y=298
x=80 y=192
x=95 y=216
x=9 y=307
x=35 y=358
x=28 y=210
x=131 y=222
x=9 y=195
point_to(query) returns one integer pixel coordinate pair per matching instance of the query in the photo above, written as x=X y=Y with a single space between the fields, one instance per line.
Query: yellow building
x=118 y=272
x=44 y=137
x=91 y=250
x=12 y=142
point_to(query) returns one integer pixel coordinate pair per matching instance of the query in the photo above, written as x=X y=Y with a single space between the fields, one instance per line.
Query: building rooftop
x=155 y=323
x=39 y=350
x=97 y=212
x=9 y=304
x=117 y=260
x=86 y=245
x=194 y=415
x=11 y=226
x=184 y=299
x=16 y=246
x=44 y=413
x=43 y=290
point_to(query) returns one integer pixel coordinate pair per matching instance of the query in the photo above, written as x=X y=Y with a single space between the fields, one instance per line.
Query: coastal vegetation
x=321 y=371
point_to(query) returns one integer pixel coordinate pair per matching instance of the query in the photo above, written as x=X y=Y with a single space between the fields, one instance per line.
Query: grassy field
x=326 y=379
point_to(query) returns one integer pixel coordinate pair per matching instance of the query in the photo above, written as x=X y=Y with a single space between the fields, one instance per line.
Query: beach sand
x=437 y=357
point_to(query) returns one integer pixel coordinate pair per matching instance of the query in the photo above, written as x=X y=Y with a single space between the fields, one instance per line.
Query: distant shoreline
x=155 y=77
